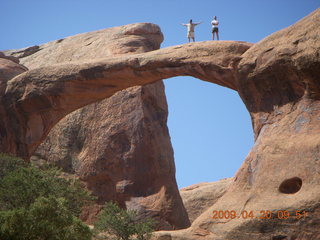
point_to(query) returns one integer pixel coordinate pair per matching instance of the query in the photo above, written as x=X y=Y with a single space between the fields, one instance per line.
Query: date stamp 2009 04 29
x=262 y=214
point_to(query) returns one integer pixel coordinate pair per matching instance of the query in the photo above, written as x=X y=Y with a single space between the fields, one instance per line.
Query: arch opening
x=210 y=130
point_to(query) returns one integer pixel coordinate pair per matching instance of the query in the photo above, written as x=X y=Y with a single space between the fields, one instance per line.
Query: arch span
x=37 y=99
x=278 y=81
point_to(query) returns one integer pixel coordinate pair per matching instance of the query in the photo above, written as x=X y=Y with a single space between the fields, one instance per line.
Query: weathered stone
x=278 y=80
x=115 y=145
x=8 y=70
x=199 y=197
x=11 y=58
x=38 y=99
x=48 y=93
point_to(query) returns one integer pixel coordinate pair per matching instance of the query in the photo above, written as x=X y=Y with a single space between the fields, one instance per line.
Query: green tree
x=9 y=163
x=144 y=229
x=121 y=223
x=21 y=186
x=39 y=204
x=45 y=219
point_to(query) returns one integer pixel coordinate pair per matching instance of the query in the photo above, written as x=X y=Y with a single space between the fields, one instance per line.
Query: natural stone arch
x=278 y=80
x=37 y=99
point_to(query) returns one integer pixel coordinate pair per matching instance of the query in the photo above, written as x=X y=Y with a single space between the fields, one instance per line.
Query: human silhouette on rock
x=215 y=28
x=190 y=26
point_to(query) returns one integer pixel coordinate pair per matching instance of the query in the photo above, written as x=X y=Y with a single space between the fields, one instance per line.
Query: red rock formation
x=40 y=97
x=277 y=80
x=117 y=145
x=9 y=68
x=133 y=164
x=197 y=198
x=147 y=184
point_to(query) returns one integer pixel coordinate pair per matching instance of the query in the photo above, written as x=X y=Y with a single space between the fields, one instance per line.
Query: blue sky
x=209 y=126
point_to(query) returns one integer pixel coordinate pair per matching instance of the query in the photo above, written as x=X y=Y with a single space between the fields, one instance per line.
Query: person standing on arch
x=190 y=27
x=215 y=28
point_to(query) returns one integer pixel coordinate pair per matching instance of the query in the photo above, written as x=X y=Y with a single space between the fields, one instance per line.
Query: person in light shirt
x=190 y=27
x=215 y=28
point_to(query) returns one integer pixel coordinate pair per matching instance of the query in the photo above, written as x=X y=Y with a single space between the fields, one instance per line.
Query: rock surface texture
x=120 y=146
x=9 y=68
x=197 y=198
x=277 y=79
x=40 y=97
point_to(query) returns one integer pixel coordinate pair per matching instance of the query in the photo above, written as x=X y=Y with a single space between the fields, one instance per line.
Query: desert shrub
x=144 y=229
x=39 y=204
x=45 y=219
x=9 y=163
x=22 y=185
x=121 y=223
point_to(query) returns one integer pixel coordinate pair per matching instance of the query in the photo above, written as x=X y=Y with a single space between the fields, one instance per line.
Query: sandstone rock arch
x=278 y=80
x=39 y=98
x=153 y=192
